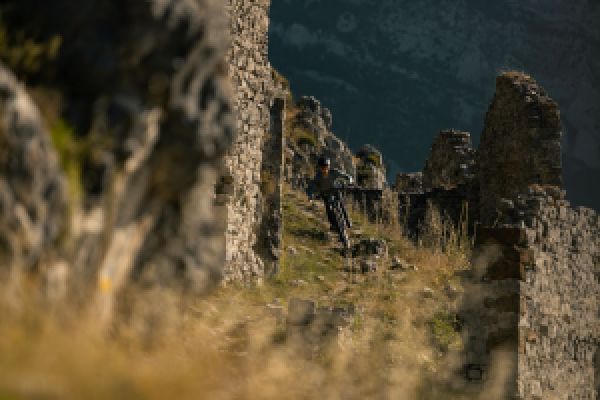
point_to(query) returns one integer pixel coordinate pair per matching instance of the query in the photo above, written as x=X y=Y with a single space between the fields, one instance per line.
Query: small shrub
x=69 y=153
x=443 y=329
x=304 y=137
x=374 y=159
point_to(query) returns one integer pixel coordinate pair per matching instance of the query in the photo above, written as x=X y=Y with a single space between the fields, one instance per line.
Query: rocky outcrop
x=310 y=137
x=144 y=87
x=33 y=195
x=370 y=171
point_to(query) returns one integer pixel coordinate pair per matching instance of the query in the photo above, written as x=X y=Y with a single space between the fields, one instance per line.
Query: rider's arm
x=342 y=175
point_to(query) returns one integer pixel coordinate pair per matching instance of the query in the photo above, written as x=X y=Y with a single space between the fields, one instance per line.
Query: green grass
x=231 y=345
x=70 y=155
x=303 y=137
x=443 y=330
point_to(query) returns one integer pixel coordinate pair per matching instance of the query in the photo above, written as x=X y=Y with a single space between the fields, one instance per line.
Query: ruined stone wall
x=457 y=205
x=250 y=74
x=370 y=170
x=448 y=183
x=451 y=161
x=411 y=182
x=536 y=261
x=535 y=299
x=559 y=328
x=520 y=144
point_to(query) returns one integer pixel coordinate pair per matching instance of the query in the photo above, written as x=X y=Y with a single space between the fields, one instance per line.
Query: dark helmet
x=324 y=162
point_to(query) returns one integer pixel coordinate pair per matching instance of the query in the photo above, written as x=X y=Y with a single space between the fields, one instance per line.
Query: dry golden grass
x=398 y=344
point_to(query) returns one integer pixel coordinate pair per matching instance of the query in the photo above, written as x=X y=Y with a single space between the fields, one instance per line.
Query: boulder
x=370 y=247
x=33 y=191
x=300 y=312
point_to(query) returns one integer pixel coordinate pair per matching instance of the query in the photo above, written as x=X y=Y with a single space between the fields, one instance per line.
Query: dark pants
x=329 y=204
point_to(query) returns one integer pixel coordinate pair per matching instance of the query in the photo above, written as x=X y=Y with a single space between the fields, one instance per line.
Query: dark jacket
x=325 y=185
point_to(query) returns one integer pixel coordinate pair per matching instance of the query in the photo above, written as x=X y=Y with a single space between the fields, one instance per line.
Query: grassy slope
x=229 y=345
x=403 y=340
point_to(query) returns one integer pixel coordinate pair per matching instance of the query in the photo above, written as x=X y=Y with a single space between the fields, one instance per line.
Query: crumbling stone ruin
x=528 y=123
x=451 y=162
x=541 y=287
x=168 y=193
x=448 y=183
x=370 y=171
x=533 y=307
x=247 y=193
x=411 y=182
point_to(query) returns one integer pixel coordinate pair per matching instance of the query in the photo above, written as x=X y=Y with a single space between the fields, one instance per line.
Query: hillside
x=385 y=333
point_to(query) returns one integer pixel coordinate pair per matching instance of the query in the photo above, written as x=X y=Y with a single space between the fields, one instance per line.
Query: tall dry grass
x=234 y=343
x=162 y=345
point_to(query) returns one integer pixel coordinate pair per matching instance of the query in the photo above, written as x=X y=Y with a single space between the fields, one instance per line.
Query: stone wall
x=250 y=74
x=451 y=161
x=537 y=298
x=457 y=205
x=370 y=170
x=559 y=328
x=520 y=144
x=536 y=261
x=410 y=182
x=448 y=183
x=271 y=227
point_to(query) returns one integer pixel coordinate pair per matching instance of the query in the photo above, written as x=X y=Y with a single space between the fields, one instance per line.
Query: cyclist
x=326 y=185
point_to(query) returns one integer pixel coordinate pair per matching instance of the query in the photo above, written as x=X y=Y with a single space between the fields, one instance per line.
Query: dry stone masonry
x=451 y=162
x=520 y=144
x=532 y=309
x=370 y=171
x=251 y=76
x=559 y=326
x=538 y=257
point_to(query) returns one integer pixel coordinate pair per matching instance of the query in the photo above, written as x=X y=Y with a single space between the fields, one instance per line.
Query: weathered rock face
x=451 y=162
x=520 y=144
x=370 y=171
x=144 y=84
x=250 y=73
x=33 y=197
x=310 y=137
x=313 y=117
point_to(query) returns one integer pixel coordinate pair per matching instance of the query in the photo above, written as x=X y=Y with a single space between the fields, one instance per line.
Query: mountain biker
x=325 y=184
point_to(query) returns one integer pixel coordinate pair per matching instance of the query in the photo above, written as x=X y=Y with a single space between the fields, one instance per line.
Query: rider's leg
x=348 y=222
x=330 y=216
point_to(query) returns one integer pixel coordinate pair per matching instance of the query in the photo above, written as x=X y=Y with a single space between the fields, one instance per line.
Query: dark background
x=396 y=72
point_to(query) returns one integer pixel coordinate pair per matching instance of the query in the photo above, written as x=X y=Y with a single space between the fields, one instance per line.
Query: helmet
x=324 y=162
